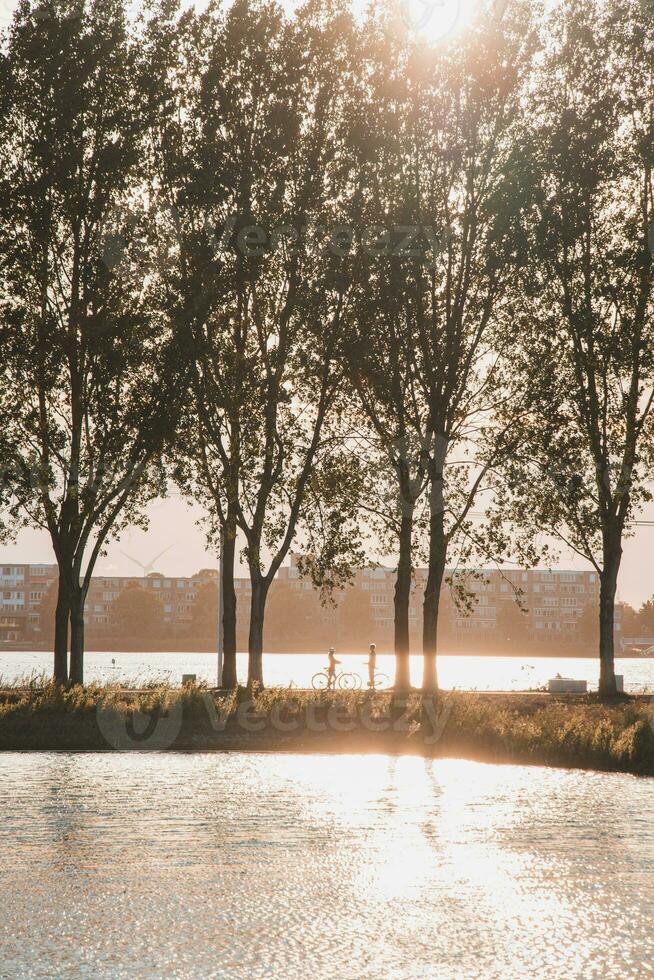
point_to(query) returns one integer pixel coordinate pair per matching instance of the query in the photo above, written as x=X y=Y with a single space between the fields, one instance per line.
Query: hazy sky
x=173 y=521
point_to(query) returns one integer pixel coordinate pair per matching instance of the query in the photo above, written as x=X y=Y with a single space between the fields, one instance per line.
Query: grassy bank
x=528 y=728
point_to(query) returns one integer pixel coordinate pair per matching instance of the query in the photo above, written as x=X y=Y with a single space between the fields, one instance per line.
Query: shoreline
x=210 y=650
x=520 y=728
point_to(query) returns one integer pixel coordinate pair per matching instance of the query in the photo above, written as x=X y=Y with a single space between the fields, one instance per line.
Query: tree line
x=333 y=282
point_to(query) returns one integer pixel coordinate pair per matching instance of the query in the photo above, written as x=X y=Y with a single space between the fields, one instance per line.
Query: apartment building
x=554 y=601
x=475 y=603
x=478 y=606
x=25 y=587
x=176 y=597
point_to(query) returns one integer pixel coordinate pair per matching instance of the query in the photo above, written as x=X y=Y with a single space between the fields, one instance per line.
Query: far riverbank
x=560 y=652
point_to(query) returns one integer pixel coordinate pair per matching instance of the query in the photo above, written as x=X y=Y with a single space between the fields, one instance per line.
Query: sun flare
x=432 y=21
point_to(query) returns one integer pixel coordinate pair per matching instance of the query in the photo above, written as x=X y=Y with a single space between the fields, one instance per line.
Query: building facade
x=23 y=589
x=29 y=596
x=478 y=607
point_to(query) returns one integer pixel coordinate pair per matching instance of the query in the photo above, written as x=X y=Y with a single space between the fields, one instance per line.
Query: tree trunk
x=402 y=601
x=62 y=617
x=77 y=638
x=431 y=602
x=229 y=608
x=608 y=586
x=255 y=639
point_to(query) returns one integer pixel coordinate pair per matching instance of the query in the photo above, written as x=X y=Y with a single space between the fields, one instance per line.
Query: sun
x=432 y=21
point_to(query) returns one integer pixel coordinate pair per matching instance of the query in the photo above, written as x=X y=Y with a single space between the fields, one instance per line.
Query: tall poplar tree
x=243 y=174
x=585 y=327
x=437 y=176
x=82 y=354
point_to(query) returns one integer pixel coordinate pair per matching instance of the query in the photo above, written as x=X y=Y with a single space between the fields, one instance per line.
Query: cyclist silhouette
x=331 y=669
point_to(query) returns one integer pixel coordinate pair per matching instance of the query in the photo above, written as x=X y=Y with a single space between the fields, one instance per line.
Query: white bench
x=566 y=685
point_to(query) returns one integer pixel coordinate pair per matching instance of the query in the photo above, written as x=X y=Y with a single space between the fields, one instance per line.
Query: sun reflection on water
x=258 y=865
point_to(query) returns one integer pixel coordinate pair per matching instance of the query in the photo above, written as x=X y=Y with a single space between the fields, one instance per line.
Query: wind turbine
x=150 y=565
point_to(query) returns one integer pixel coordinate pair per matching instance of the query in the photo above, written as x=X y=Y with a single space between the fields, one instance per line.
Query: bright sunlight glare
x=432 y=21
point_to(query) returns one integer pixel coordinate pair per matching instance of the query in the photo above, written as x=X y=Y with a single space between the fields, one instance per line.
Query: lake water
x=462 y=672
x=263 y=865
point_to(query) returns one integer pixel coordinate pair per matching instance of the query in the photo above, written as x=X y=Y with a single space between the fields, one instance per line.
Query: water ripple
x=253 y=866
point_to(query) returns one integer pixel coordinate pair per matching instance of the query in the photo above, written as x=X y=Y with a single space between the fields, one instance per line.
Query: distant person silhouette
x=331 y=669
x=372 y=665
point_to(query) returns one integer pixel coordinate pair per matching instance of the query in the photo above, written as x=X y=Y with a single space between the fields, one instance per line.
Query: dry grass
x=585 y=735
x=529 y=729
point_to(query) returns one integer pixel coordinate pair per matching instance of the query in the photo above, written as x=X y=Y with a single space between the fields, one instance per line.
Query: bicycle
x=379 y=681
x=345 y=681
x=348 y=681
